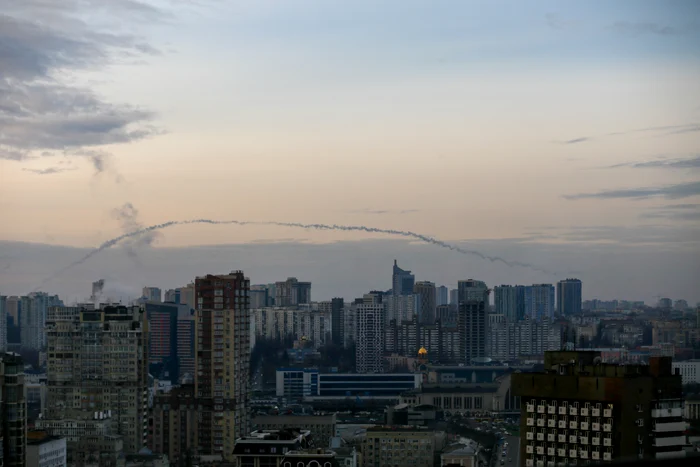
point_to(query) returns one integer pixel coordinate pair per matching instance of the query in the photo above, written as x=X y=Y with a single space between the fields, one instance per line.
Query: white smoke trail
x=353 y=228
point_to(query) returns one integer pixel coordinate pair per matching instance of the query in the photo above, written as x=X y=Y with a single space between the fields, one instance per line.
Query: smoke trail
x=351 y=228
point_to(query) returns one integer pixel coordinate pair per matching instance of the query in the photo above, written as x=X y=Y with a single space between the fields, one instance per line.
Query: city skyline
x=578 y=127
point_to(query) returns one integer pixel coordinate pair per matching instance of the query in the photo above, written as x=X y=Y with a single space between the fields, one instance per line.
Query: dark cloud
x=681 y=190
x=636 y=29
x=578 y=140
x=689 y=163
x=682 y=212
x=49 y=170
x=41 y=40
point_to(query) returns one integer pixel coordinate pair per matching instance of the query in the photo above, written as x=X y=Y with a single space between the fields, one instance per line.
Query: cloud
x=690 y=163
x=636 y=29
x=681 y=190
x=49 y=170
x=684 y=212
x=383 y=211
x=43 y=41
x=128 y=217
x=665 y=129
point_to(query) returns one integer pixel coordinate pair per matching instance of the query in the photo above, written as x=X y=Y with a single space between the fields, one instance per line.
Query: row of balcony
x=571 y=438
x=571 y=459
x=571 y=424
x=564 y=408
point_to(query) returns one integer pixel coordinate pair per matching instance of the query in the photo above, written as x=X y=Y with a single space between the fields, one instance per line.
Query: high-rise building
x=97 y=364
x=454 y=297
x=13 y=308
x=259 y=296
x=222 y=349
x=13 y=411
x=370 y=338
x=292 y=292
x=175 y=424
x=509 y=340
x=336 y=308
x=426 y=296
x=510 y=301
x=472 y=327
x=401 y=307
x=152 y=294
x=33 y=319
x=581 y=408
x=471 y=289
x=171 y=341
x=4 y=323
x=539 y=301
x=402 y=281
x=442 y=296
x=569 y=297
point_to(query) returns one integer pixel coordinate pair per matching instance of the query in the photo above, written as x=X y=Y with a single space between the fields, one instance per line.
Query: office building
x=539 y=301
x=426 y=296
x=322 y=427
x=399 y=445
x=46 y=451
x=689 y=371
x=569 y=299
x=97 y=363
x=292 y=292
x=442 y=296
x=222 y=361
x=13 y=415
x=510 y=301
x=175 y=423
x=296 y=383
x=370 y=338
x=152 y=294
x=402 y=281
x=582 y=409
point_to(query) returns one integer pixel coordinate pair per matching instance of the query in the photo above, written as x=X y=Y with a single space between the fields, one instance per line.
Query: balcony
x=551 y=438
x=660 y=413
x=551 y=423
x=540 y=436
x=584 y=411
x=541 y=422
x=562 y=438
x=595 y=426
x=540 y=450
x=572 y=453
x=531 y=408
x=595 y=412
x=573 y=425
x=561 y=452
x=670 y=441
x=573 y=439
x=562 y=423
x=541 y=408
x=562 y=410
x=573 y=410
x=540 y=463
x=529 y=463
x=607 y=456
x=583 y=454
x=607 y=427
x=595 y=455
x=669 y=454
x=552 y=409
x=529 y=449
x=607 y=413
x=551 y=451
x=595 y=441
x=529 y=436
x=660 y=427
x=530 y=421
x=607 y=442
x=584 y=425
x=583 y=439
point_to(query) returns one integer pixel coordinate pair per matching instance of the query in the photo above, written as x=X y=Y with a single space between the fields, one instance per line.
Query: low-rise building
x=458 y=454
x=46 y=451
x=322 y=427
x=689 y=371
x=267 y=448
x=401 y=445
x=310 y=458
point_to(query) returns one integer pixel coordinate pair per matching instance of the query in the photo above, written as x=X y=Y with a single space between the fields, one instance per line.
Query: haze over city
x=567 y=139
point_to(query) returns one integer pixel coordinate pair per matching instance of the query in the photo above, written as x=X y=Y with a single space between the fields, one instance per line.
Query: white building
x=401 y=307
x=689 y=370
x=152 y=294
x=370 y=338
x=48 y=452
x=281 y=322
x=510 y=340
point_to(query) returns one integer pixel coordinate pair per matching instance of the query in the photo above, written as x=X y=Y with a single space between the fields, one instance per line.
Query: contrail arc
x=338 y=227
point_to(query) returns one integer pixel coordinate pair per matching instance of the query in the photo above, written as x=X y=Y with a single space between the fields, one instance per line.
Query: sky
x=561 y=135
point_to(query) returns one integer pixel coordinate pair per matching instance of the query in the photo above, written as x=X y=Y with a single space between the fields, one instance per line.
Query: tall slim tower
x=13 y=411
x=222 y=361
x=369 y=338
x=472 y=322
x=569 y=297
x=426 y=296
x=402 y=281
